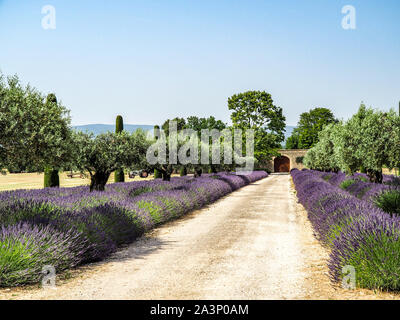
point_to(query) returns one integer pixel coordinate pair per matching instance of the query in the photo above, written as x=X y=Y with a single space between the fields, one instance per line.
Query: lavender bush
x=357 y=232
x=68 y=226
x=372 y=246
x=385 y=196
x=25 y=248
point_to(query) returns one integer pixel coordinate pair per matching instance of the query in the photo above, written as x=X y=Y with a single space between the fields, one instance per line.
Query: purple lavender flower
x=26 y=248
x=358 y=233
x=79 y=226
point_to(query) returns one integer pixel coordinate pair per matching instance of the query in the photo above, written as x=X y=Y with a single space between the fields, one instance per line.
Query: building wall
x=292 y=154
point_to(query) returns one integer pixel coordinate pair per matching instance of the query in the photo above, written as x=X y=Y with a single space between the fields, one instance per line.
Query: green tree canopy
x=107 y=152
x=256 y=110
x=322 y=155
x=119 y=174
x=198 y=124
x=209 y=123
x=370 y=139
x=392 y=149
x=293 y=141
x=305 y=136
x=180 y=122
x=32 y=130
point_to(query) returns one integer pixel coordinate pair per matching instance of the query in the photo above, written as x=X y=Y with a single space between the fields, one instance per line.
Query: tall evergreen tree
x=51 y=177
x=119 y=174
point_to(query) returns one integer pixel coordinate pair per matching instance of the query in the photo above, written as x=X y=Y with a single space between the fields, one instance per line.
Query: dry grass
x=387 y=171
x=13 y=181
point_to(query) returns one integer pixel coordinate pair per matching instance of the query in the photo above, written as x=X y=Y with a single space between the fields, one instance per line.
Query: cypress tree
x=119 y=175
x=157 y=174
x=156 y=131
x=183 y=171
x=51 y=177
x=119 y=124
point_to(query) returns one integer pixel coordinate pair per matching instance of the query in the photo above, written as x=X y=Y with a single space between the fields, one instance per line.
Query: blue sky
x=152 y=60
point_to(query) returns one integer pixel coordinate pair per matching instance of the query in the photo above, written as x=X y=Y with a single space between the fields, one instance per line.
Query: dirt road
x=252 y=244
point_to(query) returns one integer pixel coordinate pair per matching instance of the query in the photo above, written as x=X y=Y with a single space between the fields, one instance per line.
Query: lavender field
x=357 y=220
x=67 y=227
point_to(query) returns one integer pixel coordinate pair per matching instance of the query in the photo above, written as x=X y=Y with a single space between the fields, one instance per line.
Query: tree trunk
x=197 y=172
x=166 y=172
x=375 y=176
x=98 y=181
x=166 y=176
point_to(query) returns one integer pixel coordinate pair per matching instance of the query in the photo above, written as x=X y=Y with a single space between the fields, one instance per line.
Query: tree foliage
x=32 y=132
x=180 y=123
x=107 y=152
x=293 y=141
x=199 y=124
x=305 y=136
x=369 y=140
x=256 y=110
x=51 y=177
x=119 y=174
x=322 y=156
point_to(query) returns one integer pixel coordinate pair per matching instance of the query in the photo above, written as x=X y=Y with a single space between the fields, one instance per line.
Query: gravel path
x=253 y=244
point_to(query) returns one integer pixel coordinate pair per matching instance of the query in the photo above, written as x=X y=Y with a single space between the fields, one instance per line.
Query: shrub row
x=69 y=226
x=358 y=233
x=386 y=196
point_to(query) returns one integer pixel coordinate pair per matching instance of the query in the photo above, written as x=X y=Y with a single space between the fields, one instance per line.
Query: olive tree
x=322 y=156
x=347 y=139
x=107 y=152
x=198 y=151
x=168 y=152
x=392 y=148
x=376 y=132
x=32 y=132
x=369 y=140
x=310 y=159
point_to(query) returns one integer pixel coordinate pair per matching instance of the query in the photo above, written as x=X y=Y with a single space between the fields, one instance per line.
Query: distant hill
x=102 y=128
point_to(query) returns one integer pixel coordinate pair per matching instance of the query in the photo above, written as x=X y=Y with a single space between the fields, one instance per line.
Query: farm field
x=256 y=243
x=269 y=133
x=387 y=171
x=14 y=181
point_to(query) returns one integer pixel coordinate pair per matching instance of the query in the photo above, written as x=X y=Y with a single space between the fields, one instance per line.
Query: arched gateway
x=288 y=159
x=282 y=164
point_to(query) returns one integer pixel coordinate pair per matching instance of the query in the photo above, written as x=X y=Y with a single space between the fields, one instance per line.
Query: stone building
x=289 y=159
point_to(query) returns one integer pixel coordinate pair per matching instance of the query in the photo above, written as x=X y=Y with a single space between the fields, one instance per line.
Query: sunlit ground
x=387 y=171
x=13 y=181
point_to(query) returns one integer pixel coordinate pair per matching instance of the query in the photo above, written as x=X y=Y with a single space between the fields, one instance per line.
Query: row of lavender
x=360 y=186
x=69 y=226
x=359 y=234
